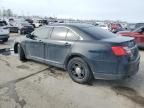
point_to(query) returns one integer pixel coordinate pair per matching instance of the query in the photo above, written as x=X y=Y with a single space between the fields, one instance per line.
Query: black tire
x=5 y=40
x=79 y=71
x=21 y=53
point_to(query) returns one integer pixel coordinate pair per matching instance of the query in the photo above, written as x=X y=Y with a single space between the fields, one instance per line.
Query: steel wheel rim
x=78 y=70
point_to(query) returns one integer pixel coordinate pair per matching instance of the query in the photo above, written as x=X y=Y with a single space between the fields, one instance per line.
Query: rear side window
x=97 y=32
x=72 y=36
x=42 y=33
x=59 y=33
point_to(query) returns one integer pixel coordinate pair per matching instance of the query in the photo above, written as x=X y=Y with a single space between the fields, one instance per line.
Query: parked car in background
x=133 y=26
x=39 y=23
x=84 y=50
x=13 y=29
x=115 y=27
x=138 y=34
x=25 y=28
x=4 y=31
x=138 y=25
x=30 y=21
x=12 y=25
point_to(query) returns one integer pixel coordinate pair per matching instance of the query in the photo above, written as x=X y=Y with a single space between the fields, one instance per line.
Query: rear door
x=59 y=46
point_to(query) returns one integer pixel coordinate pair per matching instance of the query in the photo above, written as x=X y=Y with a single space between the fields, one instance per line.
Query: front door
x=35 y=47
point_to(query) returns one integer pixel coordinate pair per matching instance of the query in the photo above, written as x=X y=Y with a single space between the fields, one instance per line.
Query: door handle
x=67 y=44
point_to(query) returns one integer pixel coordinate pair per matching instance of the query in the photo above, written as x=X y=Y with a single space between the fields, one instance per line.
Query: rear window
x=97 y=32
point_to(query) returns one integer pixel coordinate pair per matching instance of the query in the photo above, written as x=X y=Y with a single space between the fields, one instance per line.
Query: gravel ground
x=35 y=85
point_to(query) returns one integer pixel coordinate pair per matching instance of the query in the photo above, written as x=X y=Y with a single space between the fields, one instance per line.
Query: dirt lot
x=35 y=85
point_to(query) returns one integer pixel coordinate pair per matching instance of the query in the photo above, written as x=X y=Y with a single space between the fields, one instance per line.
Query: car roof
x=76 y=25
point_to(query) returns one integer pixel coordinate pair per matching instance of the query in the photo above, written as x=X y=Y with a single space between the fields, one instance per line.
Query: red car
x=138 y=34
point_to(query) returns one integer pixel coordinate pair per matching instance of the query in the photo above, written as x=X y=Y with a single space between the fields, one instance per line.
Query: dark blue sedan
x=85 y=51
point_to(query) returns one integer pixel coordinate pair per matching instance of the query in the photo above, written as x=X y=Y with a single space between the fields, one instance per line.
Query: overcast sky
x=127 y=10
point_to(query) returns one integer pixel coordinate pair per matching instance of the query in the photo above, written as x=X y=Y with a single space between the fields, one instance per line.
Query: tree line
x=6 y=13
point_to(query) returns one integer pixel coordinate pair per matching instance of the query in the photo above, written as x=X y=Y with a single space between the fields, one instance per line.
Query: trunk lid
x=120 y=40
x=125 y=42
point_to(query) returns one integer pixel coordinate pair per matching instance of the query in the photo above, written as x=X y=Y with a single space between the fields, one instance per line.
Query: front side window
x=59 y=33
x=71 y=36
x=42 y=33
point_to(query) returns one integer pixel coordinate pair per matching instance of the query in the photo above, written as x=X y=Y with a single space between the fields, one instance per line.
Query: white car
x=39 y=23
x=4 y=31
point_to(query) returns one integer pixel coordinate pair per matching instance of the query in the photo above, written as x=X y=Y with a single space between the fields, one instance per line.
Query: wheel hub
x=78 y=70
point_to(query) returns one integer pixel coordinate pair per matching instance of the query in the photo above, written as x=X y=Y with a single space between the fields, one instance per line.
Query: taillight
x=119 y=50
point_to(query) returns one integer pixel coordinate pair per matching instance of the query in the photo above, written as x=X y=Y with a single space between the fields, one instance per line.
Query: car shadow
x=99 y=82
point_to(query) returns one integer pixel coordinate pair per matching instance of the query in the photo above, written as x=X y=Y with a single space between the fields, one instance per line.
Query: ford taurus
x=84 y=50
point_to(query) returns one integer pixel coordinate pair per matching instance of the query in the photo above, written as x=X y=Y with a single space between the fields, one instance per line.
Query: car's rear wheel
x=79 y=71
x=21 y=53
x=5 y=40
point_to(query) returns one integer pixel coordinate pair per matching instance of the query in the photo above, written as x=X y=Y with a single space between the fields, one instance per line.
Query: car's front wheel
x=79 y=70
x=21 y=53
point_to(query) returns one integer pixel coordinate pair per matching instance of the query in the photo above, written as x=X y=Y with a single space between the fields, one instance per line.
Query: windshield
x=97 y=32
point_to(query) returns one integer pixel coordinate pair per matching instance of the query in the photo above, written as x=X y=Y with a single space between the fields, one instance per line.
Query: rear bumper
x=121 y=71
